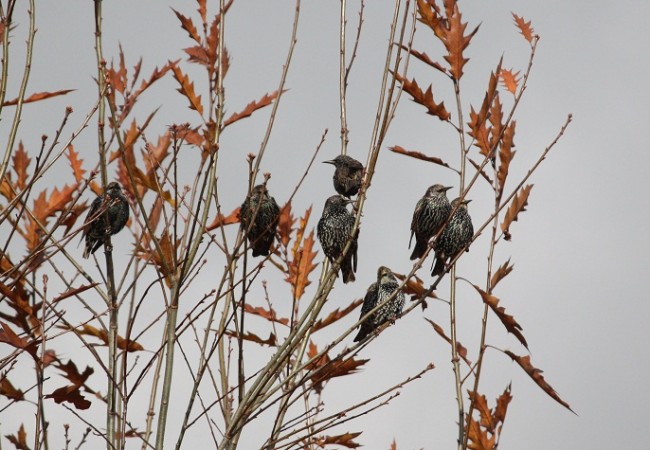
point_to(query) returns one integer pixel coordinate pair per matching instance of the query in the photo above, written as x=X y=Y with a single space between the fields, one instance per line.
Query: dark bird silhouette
x=259 y=216
x=347 y=176
x=108 y=214
x=377 y=293
x=431 y=212
x=455 y=237
x=334 y=230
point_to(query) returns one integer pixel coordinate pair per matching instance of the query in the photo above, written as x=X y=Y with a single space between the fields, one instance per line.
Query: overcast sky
x=581 y=251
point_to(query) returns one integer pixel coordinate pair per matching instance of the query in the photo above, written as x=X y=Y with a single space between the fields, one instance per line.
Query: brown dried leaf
x=479 y=131
x=301 y=266
x=222 y=220
x=20 y=439
x=502 y=272
x=71 y=373
x=519 y=203
x=482 y=172
x=478 y=438
x=525 y=28
x=8 y=390
x=344 y=440
x=269 y=315
x=478 y=121
x=74 y=291
x=70 y=394
x=20 y=163
x=509 y=80
x=424 y=98
x=462 y=351
x=456 y=41
x=393 y=445
x=75 y=164
x=506 y=153
x=74 y=214
x=336 y=315
x=418 y=155
x=502 y=405
x=337 y=368
x=8 y=336
x=37 y=96
x=188 y=25
x=481 y=405
x=507 y=320
x=285 y=224
x=425 y=59
x=253 y=106
x=187 y=89
x=271 y=341
x=537 y=377
x=123 y=344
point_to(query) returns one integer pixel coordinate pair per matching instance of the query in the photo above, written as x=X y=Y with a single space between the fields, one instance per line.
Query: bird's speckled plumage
x=377 y=293
x=334 y=230
x=111 y=207
x=347 y=176
x=431 y=212
x=259 y=217
x=456 y=235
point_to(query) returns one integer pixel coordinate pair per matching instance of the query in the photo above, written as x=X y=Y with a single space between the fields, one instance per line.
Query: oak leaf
x=419 y=155
x=37 y=96
x=268 y=314
x=460 y=349
x=509 y=80
x=253 y=106
x=506 y=153
x=8 y=390
x=220 y=220
x=336 y=315
x=525 y=28
x=75 y=164
x=507 y=320
x=20 y=439
x=502 y=272
x=424 y=98
x=519 y=203
x=187 y=89
x=20 y=164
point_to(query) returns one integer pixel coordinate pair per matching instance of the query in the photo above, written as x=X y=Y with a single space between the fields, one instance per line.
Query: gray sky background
x=581 y=251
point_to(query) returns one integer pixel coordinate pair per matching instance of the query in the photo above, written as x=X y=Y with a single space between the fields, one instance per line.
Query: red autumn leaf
x=507 y=320
x=37 y=96
x=20 y=163
x=502 y=272
x=74 y=291
x=509 y=80
x=525 y=28
x=187 y=89
x=70 y=394
x=506 y=153
x=20 y=439
x=462 y=351
x=8 y=390
x=537 y=377
x=75 y=164
x=269 y=315
x=519 y=203
x=418 y=155
x=222 y=220
x=336 y=315
x=253 y=106
x=424 y=98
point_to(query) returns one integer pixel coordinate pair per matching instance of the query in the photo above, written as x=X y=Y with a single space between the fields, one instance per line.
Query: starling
x=259 y=216
x=347 y=176
x=431 y=212
x=377 y=293
x=456 y=236
x=334 y=230
x=108 y=214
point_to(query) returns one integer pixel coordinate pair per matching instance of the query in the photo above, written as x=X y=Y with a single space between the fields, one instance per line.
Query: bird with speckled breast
x=107 y=215
x=431 y=213
x=378 y=292
x=456 y=236
x=347 y=175
x=334 y=231
x=259 y=215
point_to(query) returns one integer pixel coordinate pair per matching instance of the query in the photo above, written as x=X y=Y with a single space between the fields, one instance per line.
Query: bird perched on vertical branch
x=347 y=176
x=334 y=231
x=107 y=215
x=431 y=212
x=378 y=292
x=259 y=215
x=456 y=236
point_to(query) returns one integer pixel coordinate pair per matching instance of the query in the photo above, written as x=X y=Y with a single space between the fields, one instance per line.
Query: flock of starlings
x=259 y=217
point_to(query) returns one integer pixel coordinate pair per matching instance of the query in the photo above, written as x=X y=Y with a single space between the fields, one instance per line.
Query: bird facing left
x=259 y=217
x=108 y=214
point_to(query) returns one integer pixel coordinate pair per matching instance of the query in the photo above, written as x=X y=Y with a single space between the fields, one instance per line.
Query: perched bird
x=334 y=230
x=456 y=235
x=347 y=176
x=108 y=214
x=259 y=216
x=431 y=212
x=377 y=293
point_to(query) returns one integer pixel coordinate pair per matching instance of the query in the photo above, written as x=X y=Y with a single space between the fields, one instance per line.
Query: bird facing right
x=334 y=230
x=108 y=214
x=259 y=215
x=431 y=212
x=347 y=176
x=378 y=292
x=456 y=236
